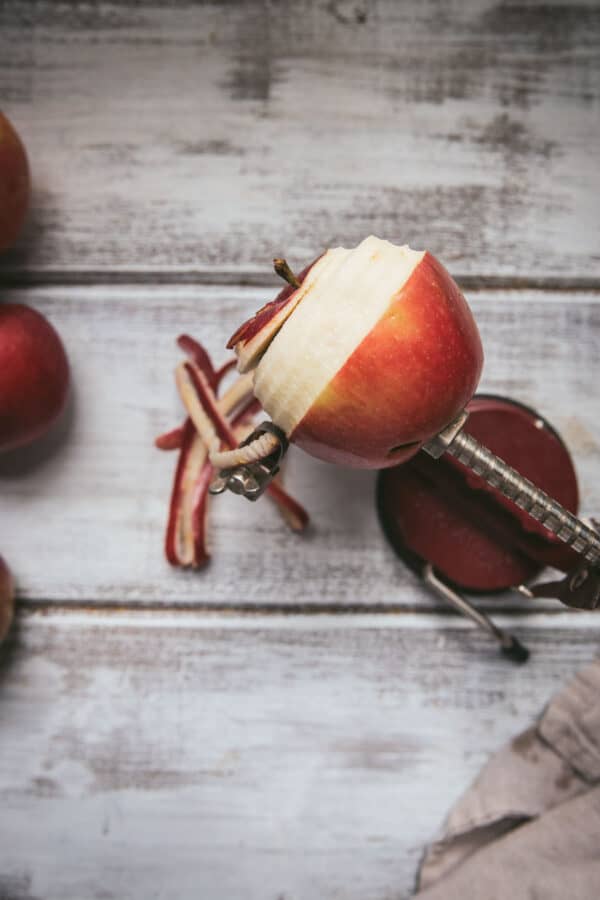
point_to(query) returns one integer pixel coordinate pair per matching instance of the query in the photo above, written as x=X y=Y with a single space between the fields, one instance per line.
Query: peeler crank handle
x=509 y=645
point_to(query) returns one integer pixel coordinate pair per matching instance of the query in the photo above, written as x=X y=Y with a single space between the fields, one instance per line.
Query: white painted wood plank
x=86 y=522
x=207 y=135
x=257 y=758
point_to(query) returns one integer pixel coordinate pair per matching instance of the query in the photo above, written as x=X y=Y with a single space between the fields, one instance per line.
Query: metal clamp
x=251 y=480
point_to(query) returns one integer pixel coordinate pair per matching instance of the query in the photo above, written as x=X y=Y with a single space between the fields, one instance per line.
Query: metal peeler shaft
x=526 y=496
x=467 y=450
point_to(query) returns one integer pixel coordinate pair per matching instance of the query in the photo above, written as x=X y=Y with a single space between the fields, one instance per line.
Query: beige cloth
x=529 y=827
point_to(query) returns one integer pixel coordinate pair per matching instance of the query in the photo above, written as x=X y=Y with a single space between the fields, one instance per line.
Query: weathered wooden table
x=294 y=721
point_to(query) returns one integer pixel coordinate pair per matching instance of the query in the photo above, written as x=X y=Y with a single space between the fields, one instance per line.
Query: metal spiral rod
x=251 y=480
x=526 y=496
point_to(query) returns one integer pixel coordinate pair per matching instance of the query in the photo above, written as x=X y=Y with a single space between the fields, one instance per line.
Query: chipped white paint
x=182 y=753
x=206 y=619
x=255 y=758
x=209 y=135
x=342 y=279
x=94 y=509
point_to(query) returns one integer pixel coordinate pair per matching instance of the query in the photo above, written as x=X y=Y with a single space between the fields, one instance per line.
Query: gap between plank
x=159 y=617
x=262 y=278
x=355 y=610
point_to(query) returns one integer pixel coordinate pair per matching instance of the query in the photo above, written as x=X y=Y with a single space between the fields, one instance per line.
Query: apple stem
x=283 y=270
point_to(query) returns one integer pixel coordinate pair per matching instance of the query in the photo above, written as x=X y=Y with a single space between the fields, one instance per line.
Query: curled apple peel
x=213 y=422
x=370 y=357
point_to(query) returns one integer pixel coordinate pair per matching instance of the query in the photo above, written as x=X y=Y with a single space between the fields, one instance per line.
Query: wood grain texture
x=83 y=516
x=195 y=754
x=201 y=136
x=258 y=758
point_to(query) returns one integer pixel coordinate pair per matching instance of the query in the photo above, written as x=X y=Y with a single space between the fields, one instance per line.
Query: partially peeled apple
x=370 y=357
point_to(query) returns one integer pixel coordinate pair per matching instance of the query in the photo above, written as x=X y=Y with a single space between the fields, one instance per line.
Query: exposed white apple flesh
x=343 y=297
x=377 y=354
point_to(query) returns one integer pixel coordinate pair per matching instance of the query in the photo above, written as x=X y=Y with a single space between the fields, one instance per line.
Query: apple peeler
x=470 y=518
x=524 y=504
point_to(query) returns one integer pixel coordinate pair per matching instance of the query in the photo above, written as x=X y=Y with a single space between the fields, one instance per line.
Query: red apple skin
x=7 y=599
x=14 y=184
x=260 y=319
x=34 y=375
x=410 y=376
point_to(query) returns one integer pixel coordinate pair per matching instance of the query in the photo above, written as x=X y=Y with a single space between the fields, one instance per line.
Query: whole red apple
x=34 y=375
x=7 y=599
x=370 y=357
x=14 y=184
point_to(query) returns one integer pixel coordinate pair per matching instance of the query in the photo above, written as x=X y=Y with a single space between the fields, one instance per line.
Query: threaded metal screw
x=525 y=495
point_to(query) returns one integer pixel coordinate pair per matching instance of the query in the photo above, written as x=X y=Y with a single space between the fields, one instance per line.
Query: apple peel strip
x=185 y=539
x=230 y=416
x=200 y=401
x=202 y=405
